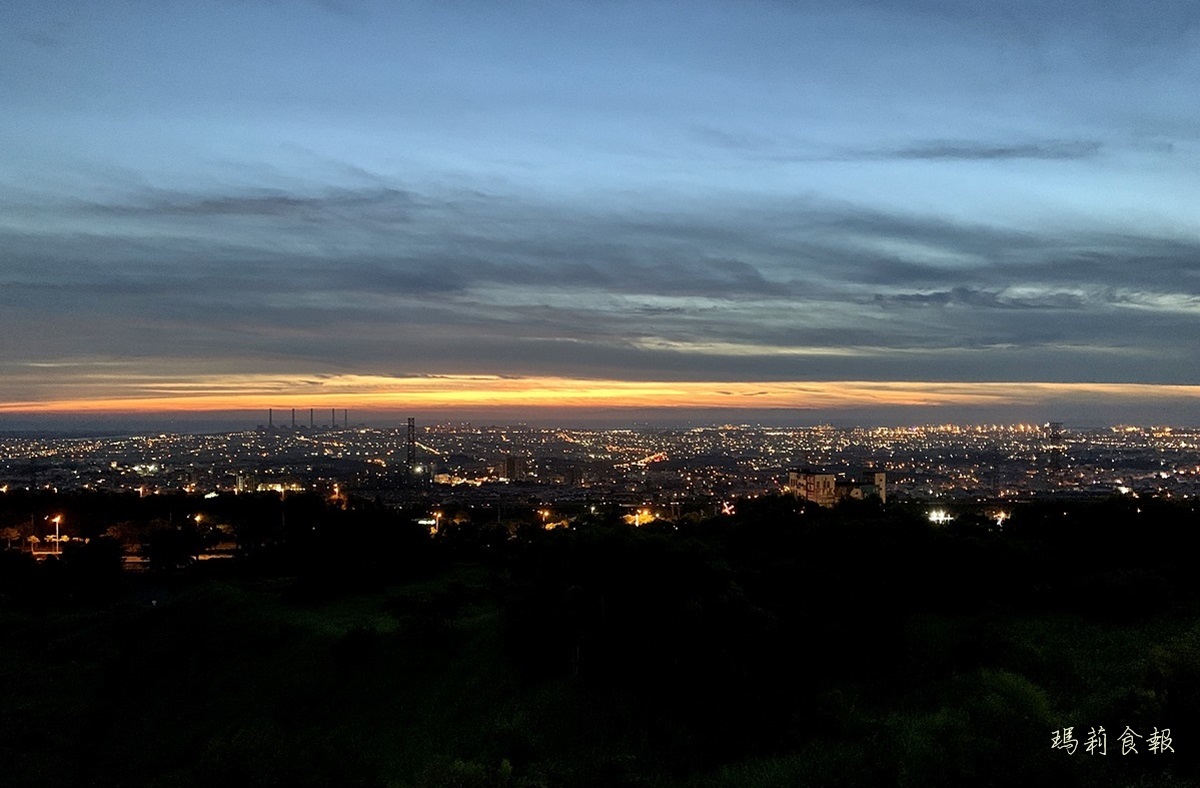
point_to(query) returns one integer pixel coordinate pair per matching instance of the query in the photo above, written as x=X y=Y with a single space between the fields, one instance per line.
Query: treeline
x=785 y=644
x=758 y=633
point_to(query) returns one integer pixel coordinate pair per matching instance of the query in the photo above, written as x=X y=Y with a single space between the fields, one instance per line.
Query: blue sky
x=616 y=191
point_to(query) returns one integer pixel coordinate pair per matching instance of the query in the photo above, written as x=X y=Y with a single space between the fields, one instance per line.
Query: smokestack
x=333 y=418
x=345 y=418
x=311 y=423
x=270 y=418
x=293 y=418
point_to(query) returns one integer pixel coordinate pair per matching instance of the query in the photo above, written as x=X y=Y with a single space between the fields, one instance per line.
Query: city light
x=942 y=462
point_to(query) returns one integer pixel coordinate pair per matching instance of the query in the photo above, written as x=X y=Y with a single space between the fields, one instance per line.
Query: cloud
x=764 y=148
x=351 y=279
x=1049 y=149
x=273 y=202
x=971 y=150
x=974 y=298
x=342 y=8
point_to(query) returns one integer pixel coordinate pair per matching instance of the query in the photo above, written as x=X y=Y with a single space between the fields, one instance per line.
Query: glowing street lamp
x=57 y=520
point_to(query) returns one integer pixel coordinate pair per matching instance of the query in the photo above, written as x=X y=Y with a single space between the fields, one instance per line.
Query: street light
x=57 y=520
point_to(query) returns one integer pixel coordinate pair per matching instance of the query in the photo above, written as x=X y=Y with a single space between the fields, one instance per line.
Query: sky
x=787 y=210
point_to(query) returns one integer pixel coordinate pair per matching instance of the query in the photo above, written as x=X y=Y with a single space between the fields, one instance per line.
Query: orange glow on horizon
x=457 y=392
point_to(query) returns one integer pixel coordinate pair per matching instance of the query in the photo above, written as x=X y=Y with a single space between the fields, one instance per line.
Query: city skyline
x=480 y=464
x=577 y=211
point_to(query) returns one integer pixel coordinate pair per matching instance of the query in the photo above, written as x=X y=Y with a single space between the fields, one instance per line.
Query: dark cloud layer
x=352 y=279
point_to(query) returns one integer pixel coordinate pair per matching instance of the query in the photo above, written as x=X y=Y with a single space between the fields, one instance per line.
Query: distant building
x=827 y=488
x=513 y=468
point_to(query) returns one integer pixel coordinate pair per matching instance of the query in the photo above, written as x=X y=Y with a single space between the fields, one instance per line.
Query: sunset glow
x=454 y=392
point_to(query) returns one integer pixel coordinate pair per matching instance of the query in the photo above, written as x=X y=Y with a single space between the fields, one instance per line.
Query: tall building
x=411 y=457
x=826 y=488
x=1055 y=449
x=513 y=468
x=816 y=486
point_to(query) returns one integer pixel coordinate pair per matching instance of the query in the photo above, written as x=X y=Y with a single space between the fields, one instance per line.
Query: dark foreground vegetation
x=347 y=646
